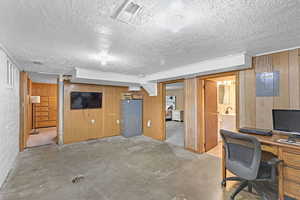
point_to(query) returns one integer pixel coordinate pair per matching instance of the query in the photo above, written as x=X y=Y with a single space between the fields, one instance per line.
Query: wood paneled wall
x=78 y=124
x=257 y=111
x=191 y=114
x=29 y=105
x=44 y=89
x=25 y=117
x=45 y=114
x=154 y=112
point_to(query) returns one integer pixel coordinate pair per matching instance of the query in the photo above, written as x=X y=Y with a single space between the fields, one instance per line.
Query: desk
x=289 y=170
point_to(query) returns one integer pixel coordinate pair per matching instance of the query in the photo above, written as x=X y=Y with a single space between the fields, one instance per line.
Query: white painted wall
x=9 y=118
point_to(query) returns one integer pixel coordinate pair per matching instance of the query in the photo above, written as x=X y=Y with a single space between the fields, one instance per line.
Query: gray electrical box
x=132 y=117
x=267 y=84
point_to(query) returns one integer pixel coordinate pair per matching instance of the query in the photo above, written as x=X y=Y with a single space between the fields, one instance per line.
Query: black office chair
x=243 y=158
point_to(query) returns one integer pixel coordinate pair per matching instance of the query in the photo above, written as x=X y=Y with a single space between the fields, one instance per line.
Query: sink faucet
x=227 y=109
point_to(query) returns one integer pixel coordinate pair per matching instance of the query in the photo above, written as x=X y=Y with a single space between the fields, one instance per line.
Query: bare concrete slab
x=116 y=169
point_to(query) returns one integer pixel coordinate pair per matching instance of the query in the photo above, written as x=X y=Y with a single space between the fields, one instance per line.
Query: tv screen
x=286 y=120
x=86 y=100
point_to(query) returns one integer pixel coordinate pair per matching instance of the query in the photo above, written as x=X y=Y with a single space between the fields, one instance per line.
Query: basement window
x=9 y=74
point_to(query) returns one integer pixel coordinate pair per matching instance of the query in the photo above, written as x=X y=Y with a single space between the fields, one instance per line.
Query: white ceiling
x=63 y=34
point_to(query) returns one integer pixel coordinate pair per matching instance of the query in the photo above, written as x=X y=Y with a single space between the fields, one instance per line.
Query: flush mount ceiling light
x=104 y=58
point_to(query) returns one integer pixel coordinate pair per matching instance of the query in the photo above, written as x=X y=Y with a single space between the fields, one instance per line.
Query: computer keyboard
x=287 y=141
x=263 y=132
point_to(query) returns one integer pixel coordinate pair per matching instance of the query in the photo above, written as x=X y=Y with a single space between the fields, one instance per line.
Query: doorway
x=220 y=109
x=42 y=108
x=174 y=113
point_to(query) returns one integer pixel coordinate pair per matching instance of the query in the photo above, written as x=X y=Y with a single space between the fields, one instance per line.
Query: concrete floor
x=216 y=151
x=44 y=137
x=116 y=169
x=175 y=133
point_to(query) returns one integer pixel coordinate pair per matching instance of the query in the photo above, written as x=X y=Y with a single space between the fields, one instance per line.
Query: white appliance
x=177 y=115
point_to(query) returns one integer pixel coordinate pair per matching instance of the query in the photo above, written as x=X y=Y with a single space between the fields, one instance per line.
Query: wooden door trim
x=23 y=110
x=201 y=102
x=172 y=81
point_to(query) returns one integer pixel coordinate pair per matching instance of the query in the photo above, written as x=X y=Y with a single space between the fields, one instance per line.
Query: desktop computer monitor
x=287 y=121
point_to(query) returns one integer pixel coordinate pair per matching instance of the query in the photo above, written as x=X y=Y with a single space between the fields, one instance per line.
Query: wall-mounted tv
x=86 y=100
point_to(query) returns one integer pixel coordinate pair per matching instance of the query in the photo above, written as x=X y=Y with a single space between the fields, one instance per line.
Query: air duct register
x=127 y=11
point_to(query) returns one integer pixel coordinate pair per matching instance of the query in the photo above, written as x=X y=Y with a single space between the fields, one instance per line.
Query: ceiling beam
x=217 y=65
x=222 y=64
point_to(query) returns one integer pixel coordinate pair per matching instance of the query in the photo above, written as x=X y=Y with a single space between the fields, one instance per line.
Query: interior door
x=211 y=114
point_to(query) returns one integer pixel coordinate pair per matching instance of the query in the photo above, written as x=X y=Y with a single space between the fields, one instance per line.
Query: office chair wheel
x=223 y=183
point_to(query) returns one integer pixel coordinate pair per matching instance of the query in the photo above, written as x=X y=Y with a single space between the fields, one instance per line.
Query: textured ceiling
x=63 y=34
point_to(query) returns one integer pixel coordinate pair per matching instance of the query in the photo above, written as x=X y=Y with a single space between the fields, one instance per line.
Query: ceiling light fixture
x=104 y=57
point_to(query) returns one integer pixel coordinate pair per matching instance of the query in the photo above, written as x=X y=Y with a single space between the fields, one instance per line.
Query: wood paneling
x=191 y=114
x=247 y=99
x=294 y=79
x=155 y=113
x=264 y=119
x=25 y=114
x=112 y=110
x=78 y=124
x=45 y=114
x=257 y=111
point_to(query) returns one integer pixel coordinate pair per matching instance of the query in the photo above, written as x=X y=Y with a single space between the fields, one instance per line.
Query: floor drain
x=77 y=179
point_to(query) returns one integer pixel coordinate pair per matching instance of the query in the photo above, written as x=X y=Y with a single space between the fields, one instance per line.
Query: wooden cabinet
x=46 y=111
x=291 y=172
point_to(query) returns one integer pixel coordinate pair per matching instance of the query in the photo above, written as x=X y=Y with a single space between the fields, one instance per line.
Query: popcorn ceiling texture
x=9 y=119
x=64 y=34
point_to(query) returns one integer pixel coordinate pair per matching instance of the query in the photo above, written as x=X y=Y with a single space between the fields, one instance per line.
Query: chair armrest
x=274 y=162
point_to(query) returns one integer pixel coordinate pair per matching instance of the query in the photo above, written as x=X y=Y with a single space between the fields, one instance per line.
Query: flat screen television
x=286 y=120
x=86 y=100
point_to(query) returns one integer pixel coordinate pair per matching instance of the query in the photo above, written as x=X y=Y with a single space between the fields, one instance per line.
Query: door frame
x=24 y=120
x=201 y=107
x=25 y=87
x=164 y=92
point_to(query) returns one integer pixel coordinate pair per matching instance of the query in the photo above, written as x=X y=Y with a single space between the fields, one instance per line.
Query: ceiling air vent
x=36 y=62
x=127 y=11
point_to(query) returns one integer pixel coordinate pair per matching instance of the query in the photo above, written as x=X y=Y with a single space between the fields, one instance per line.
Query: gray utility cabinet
x=132 y=117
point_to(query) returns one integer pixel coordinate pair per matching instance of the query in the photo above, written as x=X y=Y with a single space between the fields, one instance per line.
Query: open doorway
x=220 y=110
x=42 y=107
x=174 y=108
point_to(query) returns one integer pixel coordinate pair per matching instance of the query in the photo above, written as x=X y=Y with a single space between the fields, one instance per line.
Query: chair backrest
x=243 y=154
